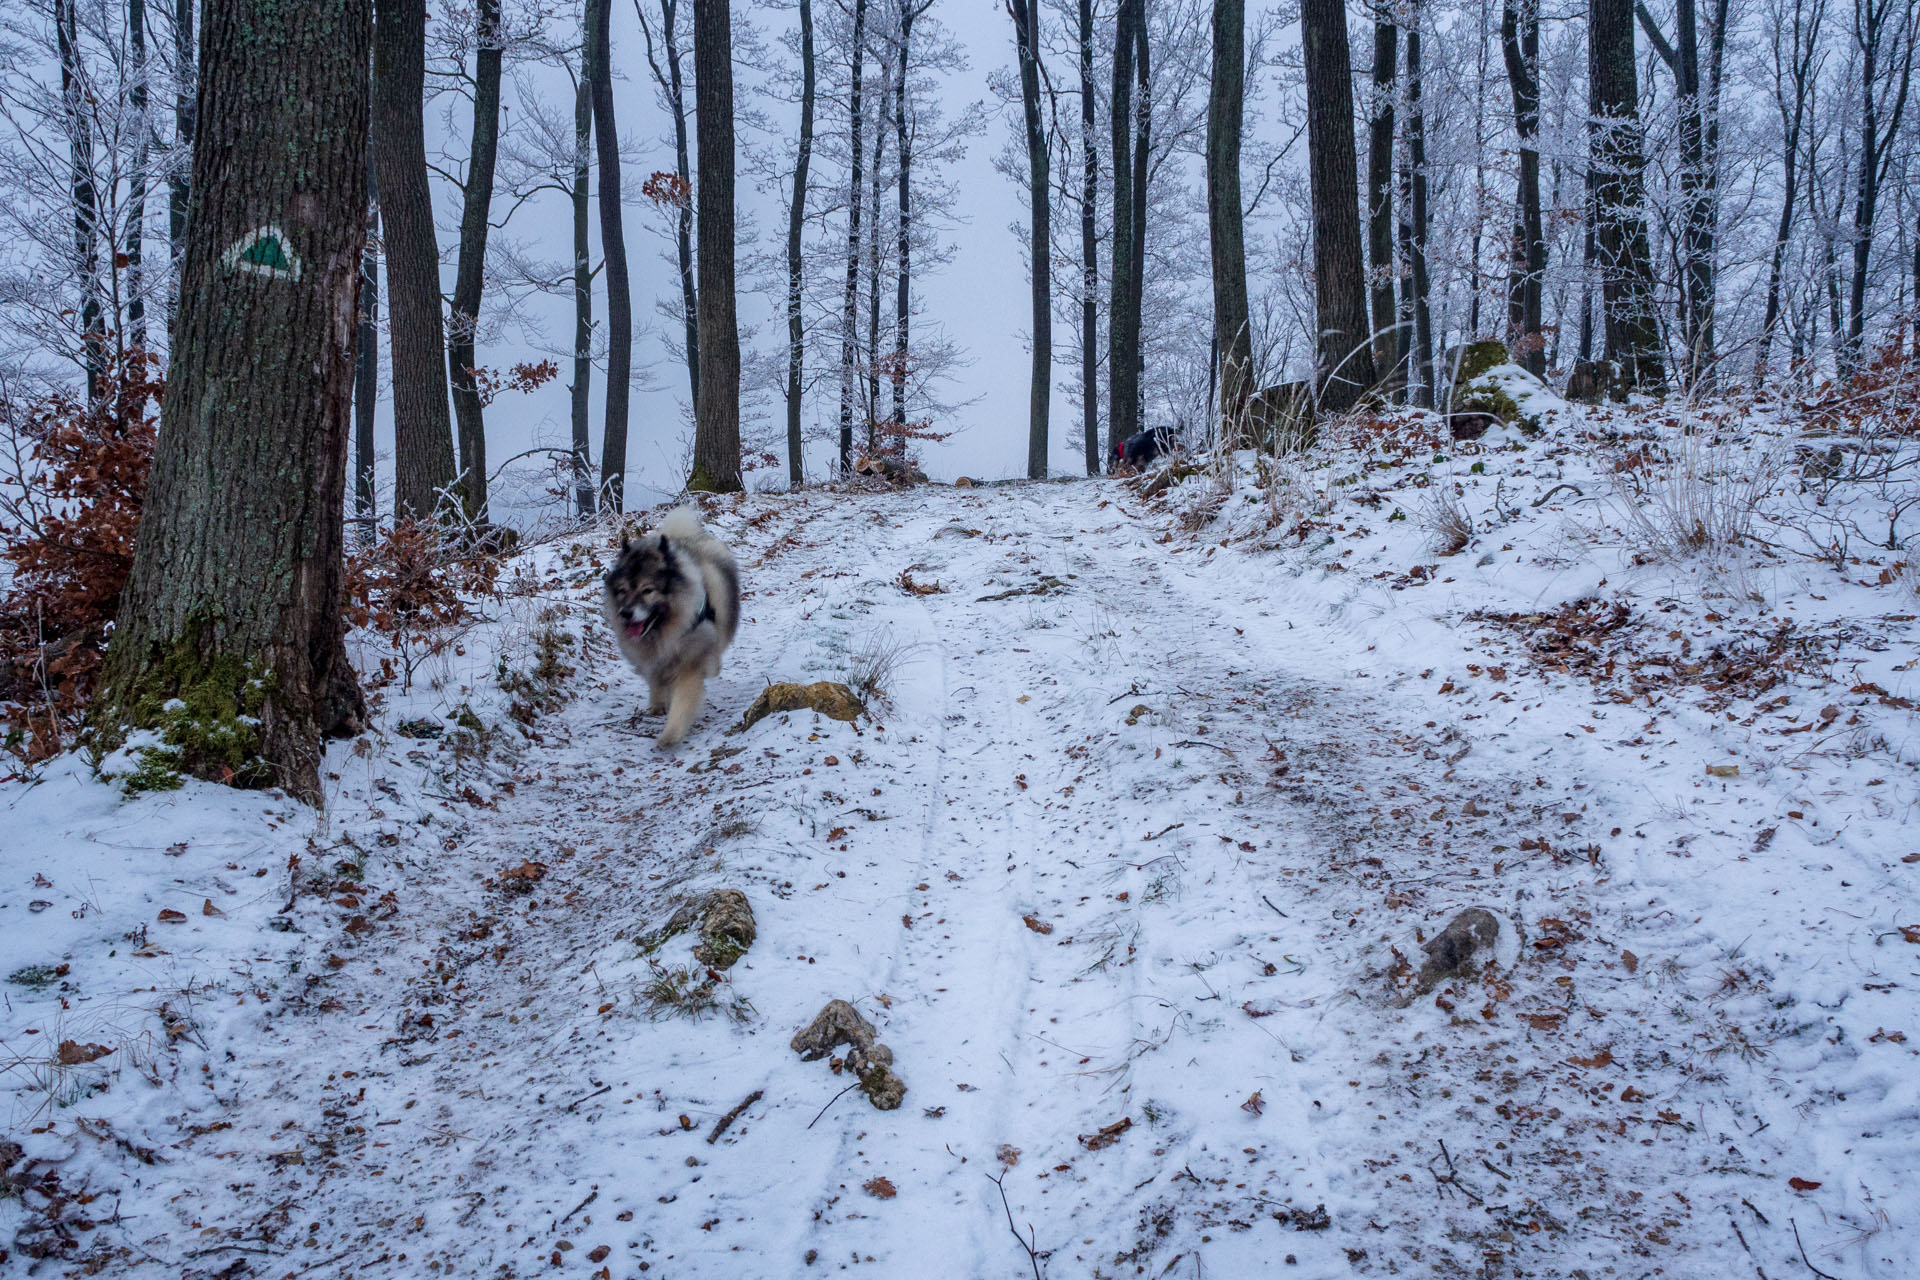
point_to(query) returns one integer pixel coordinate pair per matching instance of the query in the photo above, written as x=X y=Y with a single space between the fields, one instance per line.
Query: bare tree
x=1345 y=370
x=796 y=225
x=1026 y=26
x=613 y=247
x=1380 y=257
x=470 y=273
x=1884 y=35
x=1794 y=44
x=1618 y=202
x=1232 y=339
x=672 y=86
x=1520 y=43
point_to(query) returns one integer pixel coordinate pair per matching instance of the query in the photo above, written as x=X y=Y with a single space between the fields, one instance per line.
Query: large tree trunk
x=1345 y=372
x=470 y=275
x=1380 y=262
x=673 y=84
x=613 y=248
x=1226 y=231
x=366 y=366
x=423 y=463
x=1520 y=43
x=1620 y=227
x=228 y=642
x=796 y=223
x=716 y=437
x=581 y=391
x=1026 y=26
x=1127 y=288
x=850 y=302
x=183 y=122
x=1417 y=277
x=1089 y=250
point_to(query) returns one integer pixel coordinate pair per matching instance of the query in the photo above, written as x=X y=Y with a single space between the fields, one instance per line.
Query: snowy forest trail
x=1127 y=868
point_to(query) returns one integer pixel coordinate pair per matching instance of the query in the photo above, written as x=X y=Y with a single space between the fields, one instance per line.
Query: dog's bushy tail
x=683 y=522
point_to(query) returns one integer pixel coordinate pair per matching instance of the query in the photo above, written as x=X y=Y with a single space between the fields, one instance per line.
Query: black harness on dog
x=706 y=615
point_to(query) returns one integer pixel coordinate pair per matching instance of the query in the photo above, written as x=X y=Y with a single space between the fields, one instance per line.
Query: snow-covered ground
x=1130 y=868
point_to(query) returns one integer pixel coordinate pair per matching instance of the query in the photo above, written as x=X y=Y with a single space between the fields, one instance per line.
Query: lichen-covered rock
x=1478 y=357
x=839 y=1023
x=1459 y=949
x=1506 y=391
x=827 y=697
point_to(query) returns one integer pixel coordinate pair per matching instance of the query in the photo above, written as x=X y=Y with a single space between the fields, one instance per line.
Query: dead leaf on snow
x=1604 y=1058
x=879 y=1188
x=1038 y=926
x=1108 y=1135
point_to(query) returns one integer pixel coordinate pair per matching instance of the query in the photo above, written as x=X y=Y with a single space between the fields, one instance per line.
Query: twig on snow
x=591 y=1197
x=1803 y=1253
x=1156 y=835
x=605 y=1088
x=830 y=1101
x=1033 y=1254
x=733 y=1115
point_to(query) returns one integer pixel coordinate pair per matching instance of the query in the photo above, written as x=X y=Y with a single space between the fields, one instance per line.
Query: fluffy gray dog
x=673 y=601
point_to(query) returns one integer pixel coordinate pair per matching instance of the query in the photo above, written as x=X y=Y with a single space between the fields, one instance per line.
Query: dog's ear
x=663 y=544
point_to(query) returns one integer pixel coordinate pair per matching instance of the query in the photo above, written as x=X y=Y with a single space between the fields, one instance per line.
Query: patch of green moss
x=1487 y=398
x=202 y=717
x=1478 y=357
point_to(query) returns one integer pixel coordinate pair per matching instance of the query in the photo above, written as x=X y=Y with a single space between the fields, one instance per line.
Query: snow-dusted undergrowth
x=1130 y=868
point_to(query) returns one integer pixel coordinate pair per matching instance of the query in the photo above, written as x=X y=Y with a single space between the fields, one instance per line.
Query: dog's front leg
x=656 y=699
x=687 y=693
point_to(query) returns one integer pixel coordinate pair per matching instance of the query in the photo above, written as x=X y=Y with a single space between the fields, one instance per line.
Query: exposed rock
x=1470 y=425
x=726 y=928
x=827 y=697
x=1476 y=358
x=839 y=1023
x=1459 y=949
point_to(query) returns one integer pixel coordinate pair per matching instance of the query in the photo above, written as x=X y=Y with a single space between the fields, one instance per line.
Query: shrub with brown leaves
x=413 y=586
x=71 y=488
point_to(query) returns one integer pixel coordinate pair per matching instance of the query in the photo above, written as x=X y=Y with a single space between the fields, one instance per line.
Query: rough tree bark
x=1631 y=330
x=796 y=224
x=1026 y=26
x=582 y=389
x=716 y=437
x=1520 y=43
x=613 y=249
x=1089 y=250
x=1226 y=227
x=850 y=302
x=1699 y=167
x=1380 y=262
x=1884 y=34
x=228 y=645
x=1345 y=371
x=903 y=280
x=470 y=275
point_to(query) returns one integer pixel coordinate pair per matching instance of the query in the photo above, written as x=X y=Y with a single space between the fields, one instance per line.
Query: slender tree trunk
x=1345 y=372
x=366 y=366
x=77 y=105
x=1884 y=35
x=1417 y=248
x=1620 y=232
x=716 y=436
x=1137 y=196
x=1698 y=131
x=850 y=305
x=1026 y=26
x=470 y=275
x=1792 y=66
x=137 y=177
x=228 y=640
x=673 y=85
x=1520 y=42
x=796 y=223
x=183 y=125
x=1089 y=250
x=1225 y=220
x=1123 y=392
x=613 y=248
x=423 y=463
x=871 y=351
x=1380 y=261
x=582 y=389
x=903 y=282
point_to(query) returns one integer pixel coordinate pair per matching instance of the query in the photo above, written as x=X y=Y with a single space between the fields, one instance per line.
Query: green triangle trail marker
x=264 y=251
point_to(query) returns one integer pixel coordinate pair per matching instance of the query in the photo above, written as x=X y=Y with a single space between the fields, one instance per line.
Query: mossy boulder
x=828 y=697
x=1478 y=357
x=209 y=728
x=1506 y=391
